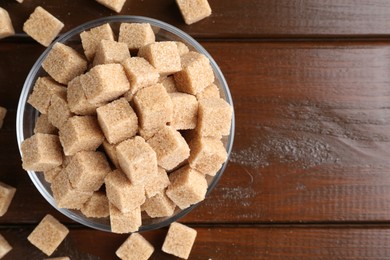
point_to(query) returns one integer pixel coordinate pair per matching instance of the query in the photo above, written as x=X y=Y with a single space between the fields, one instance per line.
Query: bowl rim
x=28 y=84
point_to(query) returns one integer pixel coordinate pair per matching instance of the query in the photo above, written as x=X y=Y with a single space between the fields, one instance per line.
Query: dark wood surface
x=309 y=174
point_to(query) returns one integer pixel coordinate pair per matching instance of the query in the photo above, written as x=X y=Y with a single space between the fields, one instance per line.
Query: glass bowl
x=26 y=114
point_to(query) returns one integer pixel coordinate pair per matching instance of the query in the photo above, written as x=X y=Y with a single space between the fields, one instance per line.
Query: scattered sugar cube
x=77 y=101
x=96 y=206
x=5 y=247
x=49 y=175
x=179 y=240
x=182 y=48
x=140 y=74
x=156 y=183
x=43 y=90
x=48 y=235
x=58 y=258
x=117 y=120
x=185 y=111
x=43 y=126
x=87 y=170
x=91 y=39
x=210 y=91
x=6 y=28
x=19 y=1
x=136 y=35
x=109 y=51
x=42 y=26
x=64 y=63
x=41 y=152
x=214 y=117
x=135 y=247
x=65 y=195
x=159 y=206
x=137 y=159
x=169 y=84
x=164 y=56
x=80 y=133
x=188 y=187
x=6 y=195
x=110 y=150
x=154 y=107
x=104 y=83
x=194 y=10
x=125 y=222
x=3 y=112
x=196 y=74
x=58 y=112
x=207 y=155
x=122 y=193
x=115 y=5
x=170 y=147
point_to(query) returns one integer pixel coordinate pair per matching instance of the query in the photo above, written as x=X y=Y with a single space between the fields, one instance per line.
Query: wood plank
x=238 y=19
x=225 y=243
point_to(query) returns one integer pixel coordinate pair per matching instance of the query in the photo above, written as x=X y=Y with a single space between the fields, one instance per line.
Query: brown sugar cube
x=170 y=147
x=156 y=183
x=182 y=48
x=77 y=101
x=3 y=112
x=42 y=26
x=41 y=152
x=122 y=193
x=164 y=56
x=48 y=235
x=125 y=222
x=65 y=195
x=110 y=150
x=5 y=247
x=207 y=155
x=80 y=133
x=136 y=35
x=159 y=206
x=104 y=83
x=92 y=38
x=115 y=5
x=137 y=159
x=169 y=84
x=52 y=173
x=58 y=258
x=185 y=111
x=196 y=74
x=6 y=195
x=58 y=112
x=96 y=206
x=210 y=91
x=111 y=52
x=214 y=117
x=179 y=240
x=64 y=63
x=6 y=28
x=135 y=247
x=87 y=170
x=154 y=107
x=117 y=120
x=188 y=187
x=43 y=126
x=194 y=10
x=140 y=74
x=43 y=90
x=147 y=133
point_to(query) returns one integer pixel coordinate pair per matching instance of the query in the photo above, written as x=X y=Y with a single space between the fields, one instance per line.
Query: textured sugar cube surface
x=43 y=126
x=3 y=112
x=159 y=206
x=185 y=111
x=115 y=5
x=136 y=35
x=49 y=175
x=211 y=91
x=110 y=150
x=6 y=28
x=92 y=38
x=124 y=222
x=135 y=247
x=5 y=247
x=169 y=84
x=96 y=206
x=7 y=193
x=77 y=101
x=194 y=10
x=58 y=112
x=214 y=117
x=156 y=183
x=109 y=51
x=48 y=235
x=182 y=48
x=42 y=26
x=179 y=240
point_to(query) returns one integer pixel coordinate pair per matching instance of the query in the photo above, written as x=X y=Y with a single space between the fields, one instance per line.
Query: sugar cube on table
x=43 y=126
x=58 y=112
x=185 y=111
x=115 y=5
x=211 y=91
x=195 y=75
x=3 y=112
x=48 y=235
x=179 y=240
x=5 y=247
x=6 y=28
x=110 y=150
x=42 y=26
x=194 y=10
x=187 y=187
x=109 y=51
x=124 y=222
x=58 y=258
x=156 y=183
x=7 y=193
x=136 y=35
x=41 y=152
x=135 y=247
x=159 y=206
x=92 y=38
x=64 y=63
x=96 y=206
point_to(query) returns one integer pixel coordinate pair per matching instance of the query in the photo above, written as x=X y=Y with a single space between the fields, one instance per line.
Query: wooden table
x=309 y=175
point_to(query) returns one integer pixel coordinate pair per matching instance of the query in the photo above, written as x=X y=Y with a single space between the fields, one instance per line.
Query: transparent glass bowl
x=26 y=114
